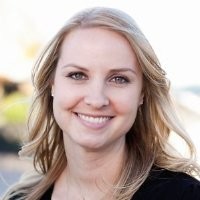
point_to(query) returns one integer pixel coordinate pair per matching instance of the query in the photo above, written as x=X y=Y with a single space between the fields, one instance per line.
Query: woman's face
x=97 y=88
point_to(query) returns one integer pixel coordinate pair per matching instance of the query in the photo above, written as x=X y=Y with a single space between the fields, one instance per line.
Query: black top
x=168 y=185
x=161 y=185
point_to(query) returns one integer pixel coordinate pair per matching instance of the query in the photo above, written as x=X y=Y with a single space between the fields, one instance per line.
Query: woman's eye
x=120 y=80
x=77 y=76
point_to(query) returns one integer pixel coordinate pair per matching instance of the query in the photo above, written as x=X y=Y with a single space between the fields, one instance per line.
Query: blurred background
x=172 y=27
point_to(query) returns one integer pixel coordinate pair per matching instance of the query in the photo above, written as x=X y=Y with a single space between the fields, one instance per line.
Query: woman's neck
x=90 y=173
x=86 y=164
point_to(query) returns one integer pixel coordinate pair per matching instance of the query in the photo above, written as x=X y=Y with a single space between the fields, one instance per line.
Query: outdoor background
x=172 y=27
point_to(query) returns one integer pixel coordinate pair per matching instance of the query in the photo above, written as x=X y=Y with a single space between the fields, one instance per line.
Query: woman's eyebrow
x=123 y=70
x=75 y=66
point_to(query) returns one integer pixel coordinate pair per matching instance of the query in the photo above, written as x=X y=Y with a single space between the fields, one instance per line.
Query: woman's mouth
x=94 y=121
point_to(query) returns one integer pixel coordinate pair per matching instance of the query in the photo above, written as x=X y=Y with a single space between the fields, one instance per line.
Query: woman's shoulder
x=164 y=184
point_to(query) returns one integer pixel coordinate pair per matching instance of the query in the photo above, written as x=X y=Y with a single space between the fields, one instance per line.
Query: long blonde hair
x=147 y=140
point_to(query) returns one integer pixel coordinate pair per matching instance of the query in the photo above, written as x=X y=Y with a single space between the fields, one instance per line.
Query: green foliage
x=14 y=108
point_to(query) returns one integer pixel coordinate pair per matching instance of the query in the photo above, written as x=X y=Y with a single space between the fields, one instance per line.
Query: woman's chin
x=91 y=145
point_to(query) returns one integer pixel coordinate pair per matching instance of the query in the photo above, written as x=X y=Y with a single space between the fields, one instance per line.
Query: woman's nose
x=96 y=96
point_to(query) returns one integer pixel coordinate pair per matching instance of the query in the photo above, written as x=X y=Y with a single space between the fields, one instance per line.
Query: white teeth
x=96 y=120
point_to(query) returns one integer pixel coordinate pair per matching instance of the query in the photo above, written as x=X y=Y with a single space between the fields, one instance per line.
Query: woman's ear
x=52 y=90
x=141 y=99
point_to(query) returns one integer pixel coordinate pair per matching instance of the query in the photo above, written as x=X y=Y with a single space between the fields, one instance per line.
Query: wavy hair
x=148 y=139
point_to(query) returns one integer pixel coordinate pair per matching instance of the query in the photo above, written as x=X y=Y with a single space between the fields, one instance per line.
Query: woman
x=102 y=116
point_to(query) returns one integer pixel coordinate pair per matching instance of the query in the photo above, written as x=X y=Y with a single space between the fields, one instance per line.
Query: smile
x=94 y=120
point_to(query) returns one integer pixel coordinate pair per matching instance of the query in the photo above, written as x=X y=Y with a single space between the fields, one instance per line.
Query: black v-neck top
x=160 y=185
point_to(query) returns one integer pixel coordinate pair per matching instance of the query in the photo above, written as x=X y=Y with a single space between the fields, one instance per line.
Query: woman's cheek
x=69 y=97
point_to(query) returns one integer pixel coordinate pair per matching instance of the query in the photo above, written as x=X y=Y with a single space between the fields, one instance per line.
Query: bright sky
x=171 y=26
